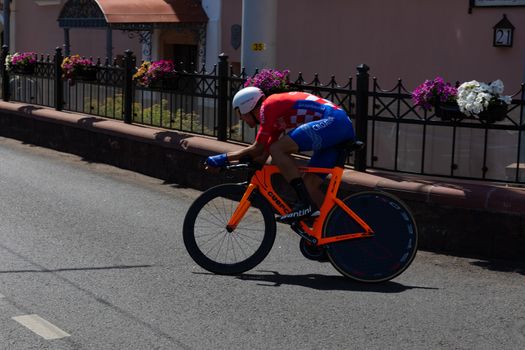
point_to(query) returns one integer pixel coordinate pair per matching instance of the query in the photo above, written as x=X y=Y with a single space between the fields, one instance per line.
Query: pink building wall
x=36 y=29
x=409 y=39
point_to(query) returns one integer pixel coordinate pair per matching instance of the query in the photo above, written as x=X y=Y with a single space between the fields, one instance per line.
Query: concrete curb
x=458 y=217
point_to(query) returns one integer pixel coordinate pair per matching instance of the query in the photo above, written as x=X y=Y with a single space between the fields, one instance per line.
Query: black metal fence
x=407 y=139
x=399 y=136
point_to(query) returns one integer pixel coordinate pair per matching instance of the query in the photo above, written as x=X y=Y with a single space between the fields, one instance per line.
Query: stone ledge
x=492 y=197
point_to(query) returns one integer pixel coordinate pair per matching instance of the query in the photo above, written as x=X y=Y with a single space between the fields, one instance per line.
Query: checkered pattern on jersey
x=309 y=109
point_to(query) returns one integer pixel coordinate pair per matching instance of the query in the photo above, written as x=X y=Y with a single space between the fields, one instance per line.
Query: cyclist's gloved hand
x=217 y=161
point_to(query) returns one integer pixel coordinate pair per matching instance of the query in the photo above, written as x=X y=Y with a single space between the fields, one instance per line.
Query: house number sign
x=258 y=47
x=503 y=37
x=503 y=32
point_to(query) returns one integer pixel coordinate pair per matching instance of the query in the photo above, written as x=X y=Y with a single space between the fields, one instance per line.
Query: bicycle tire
x=205 y=225
x=381 y=257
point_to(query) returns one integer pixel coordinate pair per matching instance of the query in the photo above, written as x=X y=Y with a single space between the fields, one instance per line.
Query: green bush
x=159 y=114
x=109 y=108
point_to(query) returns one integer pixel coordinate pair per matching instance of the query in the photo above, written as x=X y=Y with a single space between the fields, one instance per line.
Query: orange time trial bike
x=368 y=236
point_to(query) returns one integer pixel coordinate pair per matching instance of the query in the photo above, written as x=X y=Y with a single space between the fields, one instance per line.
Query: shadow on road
x=501 y=266
x=323 y=282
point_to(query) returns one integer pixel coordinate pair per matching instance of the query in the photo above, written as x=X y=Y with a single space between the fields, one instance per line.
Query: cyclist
x=317 y=125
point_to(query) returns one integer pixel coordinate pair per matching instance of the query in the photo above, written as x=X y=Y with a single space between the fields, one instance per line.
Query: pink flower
x=270 y=81
x=73 y=64
x=150 y=72
x=20 y=59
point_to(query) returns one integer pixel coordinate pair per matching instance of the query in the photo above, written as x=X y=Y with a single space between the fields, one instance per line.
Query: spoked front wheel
x=381 y=257
x=216 y=249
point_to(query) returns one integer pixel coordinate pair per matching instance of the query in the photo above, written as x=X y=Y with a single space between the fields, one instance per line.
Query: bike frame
x=261 y=182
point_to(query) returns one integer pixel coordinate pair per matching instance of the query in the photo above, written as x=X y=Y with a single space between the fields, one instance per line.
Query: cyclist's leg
x=324 y=158
x=281 y=152
x=319 y=136
x=313 y=183
x=340 y=130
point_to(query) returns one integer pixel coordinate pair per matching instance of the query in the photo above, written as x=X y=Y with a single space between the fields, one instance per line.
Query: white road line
x=41 y=327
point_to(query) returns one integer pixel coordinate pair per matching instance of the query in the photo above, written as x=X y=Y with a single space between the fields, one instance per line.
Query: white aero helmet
x=246 y=99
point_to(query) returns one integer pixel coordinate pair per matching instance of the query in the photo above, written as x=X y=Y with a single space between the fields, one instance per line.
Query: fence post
x=59 y=84
x=128 y=86
x=361 y=117
x=222 y=122
x=5 y=75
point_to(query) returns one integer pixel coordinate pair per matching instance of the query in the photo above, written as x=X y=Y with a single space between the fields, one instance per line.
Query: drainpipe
x=7 y=22
x=259 y=23
x=522 y=145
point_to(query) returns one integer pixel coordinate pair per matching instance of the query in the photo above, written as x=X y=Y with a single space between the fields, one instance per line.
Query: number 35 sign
x=503 y=33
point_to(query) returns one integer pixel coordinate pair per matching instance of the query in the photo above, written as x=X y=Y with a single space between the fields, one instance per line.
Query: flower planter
x=167 y=83
x=158 y=75
x=24 y=70
x=493 y=114
x=448 y=111
x=85 y=74
x=21 y=63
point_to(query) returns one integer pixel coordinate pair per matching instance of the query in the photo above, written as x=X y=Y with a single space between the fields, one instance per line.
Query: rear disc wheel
x=381 y=257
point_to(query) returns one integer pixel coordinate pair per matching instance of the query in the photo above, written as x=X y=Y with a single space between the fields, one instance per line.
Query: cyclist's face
x=249 y=118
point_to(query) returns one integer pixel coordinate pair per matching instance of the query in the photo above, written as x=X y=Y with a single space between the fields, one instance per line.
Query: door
x=185 y=57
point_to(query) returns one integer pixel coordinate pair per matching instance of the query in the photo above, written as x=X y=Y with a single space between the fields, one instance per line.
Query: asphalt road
x=91 y=257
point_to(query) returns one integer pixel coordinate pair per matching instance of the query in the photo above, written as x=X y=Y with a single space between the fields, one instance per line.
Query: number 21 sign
x=503 y=33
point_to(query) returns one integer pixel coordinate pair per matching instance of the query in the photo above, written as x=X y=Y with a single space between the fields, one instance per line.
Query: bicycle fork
x=241 y=209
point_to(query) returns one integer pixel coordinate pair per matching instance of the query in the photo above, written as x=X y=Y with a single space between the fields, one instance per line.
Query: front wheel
x=216 y=249
x=381 y=257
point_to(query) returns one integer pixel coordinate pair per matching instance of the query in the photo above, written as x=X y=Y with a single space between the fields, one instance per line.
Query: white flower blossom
x=506 y=99
x=475 y=97
x=497 y=87
x=8 y=60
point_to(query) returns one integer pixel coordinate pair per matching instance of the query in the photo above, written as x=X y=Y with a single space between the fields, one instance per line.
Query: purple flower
x=270 y=81
x=431 y=92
